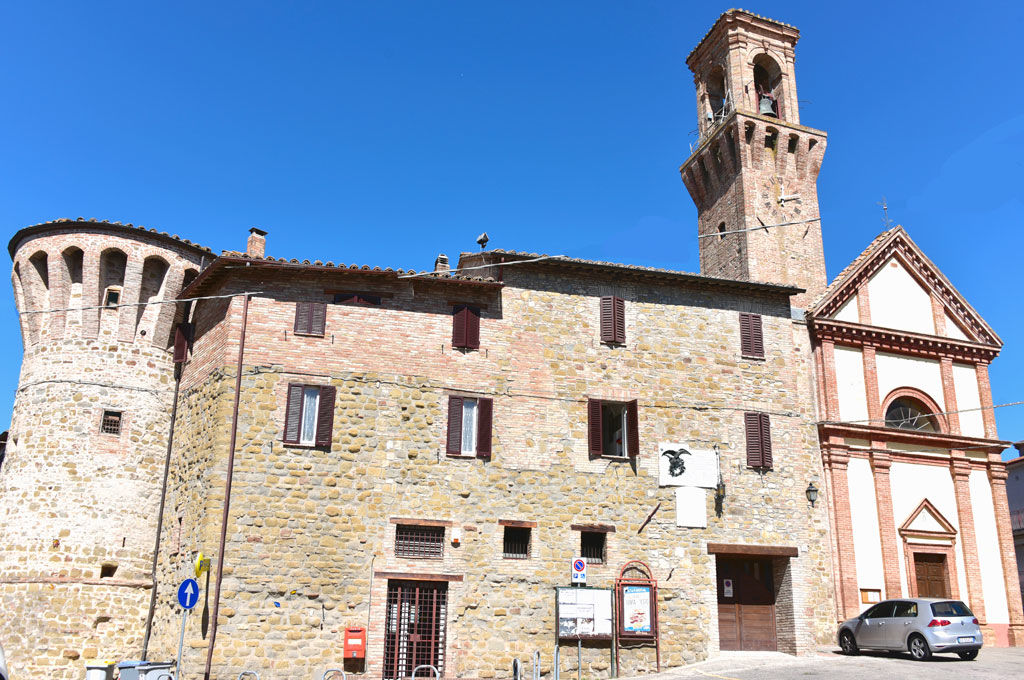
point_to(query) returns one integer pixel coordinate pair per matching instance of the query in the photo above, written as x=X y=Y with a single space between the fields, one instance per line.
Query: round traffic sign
x=188 y=593
x=579 y=565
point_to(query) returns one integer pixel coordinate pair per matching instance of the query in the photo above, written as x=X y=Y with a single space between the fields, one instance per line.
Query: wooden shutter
x=751 y=336
x=182 y=342
x=472 y=328
x=325 y=416
x=293 y=414
x=303 y=317
x=594 y=429
x=607 y=319
x=619 y=307
x=766 y=441
x=317 y=318
x=752 y=426
x=632 y=429
x=746 y=346
x=484 y=411
x=453 y=445
x=459 y=314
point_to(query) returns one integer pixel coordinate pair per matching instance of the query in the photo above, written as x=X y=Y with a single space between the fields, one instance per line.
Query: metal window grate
x=592 y=546
x=419 y=542
x=111 y=423
x=414 y=631
x=517 y=543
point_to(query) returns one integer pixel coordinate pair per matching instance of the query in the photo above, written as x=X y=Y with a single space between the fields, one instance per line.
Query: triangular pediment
x=900 y=282
x=928 y=521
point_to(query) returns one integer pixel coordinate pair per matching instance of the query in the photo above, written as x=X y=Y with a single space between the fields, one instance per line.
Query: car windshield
x=950 y=608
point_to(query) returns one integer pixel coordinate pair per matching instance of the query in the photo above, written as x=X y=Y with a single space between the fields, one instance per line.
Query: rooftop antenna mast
x=885 y=213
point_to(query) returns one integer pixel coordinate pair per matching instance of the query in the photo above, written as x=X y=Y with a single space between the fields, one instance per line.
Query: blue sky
x=386 y=132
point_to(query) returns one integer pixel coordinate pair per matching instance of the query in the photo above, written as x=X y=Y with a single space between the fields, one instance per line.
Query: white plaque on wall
x=691 y=507
x=680 y=465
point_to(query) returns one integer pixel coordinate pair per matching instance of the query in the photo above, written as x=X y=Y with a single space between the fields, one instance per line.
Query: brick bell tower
x=753 y=171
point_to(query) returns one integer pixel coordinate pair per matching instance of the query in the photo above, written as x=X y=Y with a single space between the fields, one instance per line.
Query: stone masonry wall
x=311 y=536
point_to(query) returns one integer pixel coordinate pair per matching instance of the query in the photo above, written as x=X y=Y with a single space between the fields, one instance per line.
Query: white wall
x=910 y=485
x=953 y=330
x=898 y=301
x=848 y=312
x=965 y=382
x=993 y=586
x=899 y=371
x=853 y=405
x=867 y=540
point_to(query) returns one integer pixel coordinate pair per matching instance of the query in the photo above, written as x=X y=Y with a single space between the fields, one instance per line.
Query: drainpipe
x=160 y=514
x=227 y=492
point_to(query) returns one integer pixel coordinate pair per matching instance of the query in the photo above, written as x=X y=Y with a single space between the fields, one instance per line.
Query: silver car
x=923 y=626
x=3 y=666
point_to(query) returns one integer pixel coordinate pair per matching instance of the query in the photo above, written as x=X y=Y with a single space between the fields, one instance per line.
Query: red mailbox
x=355 y=643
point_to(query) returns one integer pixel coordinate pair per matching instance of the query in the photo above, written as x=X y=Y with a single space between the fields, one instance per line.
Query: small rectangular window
x=516 y=543
x=465 y=327
x=108 y=570
x=592 y=546
x=112 y=297
x=111 y=423
x=613 y=320
x=751 y=336
x=419 y=542
x=310 y=318
x=357 y=299
x=613 y=428
x=469 y=427
x=309 y=415
x=759 y=440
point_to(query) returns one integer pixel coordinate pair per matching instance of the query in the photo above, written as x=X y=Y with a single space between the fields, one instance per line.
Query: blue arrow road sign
x=188 y=593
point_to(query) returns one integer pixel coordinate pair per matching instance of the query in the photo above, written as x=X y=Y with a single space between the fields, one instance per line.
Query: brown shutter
x=594 y=429
x=484 y=411
x=472 y=328
x=325 y=416
x=607 y=319
x=182 y=341
x=632 y=429
x=766 y=441
x=756 y=336
x=453 y=446
x=293 y=414
x=620 y=320
x=752 y=426
x=459 y=315
x=317 y=318
x=746 y=347
x=303 y=317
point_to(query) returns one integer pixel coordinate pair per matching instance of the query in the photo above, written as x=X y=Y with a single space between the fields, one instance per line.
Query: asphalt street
x=991 y=663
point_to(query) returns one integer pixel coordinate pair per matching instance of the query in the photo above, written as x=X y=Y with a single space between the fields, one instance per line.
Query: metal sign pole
x=579 y=658
x=181 y=643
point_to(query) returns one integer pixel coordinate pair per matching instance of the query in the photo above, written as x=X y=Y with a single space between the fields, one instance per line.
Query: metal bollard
x=425 y=665
x=517 y=669
x=254 y=673
x=332 y=671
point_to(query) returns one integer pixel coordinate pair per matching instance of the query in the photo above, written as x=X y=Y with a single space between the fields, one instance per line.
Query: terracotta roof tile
x=61 y=221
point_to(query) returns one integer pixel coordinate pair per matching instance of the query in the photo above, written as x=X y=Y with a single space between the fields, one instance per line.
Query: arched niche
x=767 y=86
x=154 y=278
x=113 y=263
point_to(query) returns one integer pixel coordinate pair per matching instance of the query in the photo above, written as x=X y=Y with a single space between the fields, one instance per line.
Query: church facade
x=420 y=457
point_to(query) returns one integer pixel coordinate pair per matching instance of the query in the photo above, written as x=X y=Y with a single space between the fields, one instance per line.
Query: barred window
x=517 y=543
x=419 y=542
x=111 y=423
x=592 y=546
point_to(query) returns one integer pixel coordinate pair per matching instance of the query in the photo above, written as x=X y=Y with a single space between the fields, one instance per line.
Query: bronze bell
x=766 y=107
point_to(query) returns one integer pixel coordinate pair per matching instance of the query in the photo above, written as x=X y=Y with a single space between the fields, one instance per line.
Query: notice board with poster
x=584 y=613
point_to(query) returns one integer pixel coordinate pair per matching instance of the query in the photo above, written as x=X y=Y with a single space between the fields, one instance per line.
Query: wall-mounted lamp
x=812 y=493
x=719 y=496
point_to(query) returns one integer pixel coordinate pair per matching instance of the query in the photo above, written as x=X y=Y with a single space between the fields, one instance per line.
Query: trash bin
x=151 y=670
x=99 y=671
x=129 y=670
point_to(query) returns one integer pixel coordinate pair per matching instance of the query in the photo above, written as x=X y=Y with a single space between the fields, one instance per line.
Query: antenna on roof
x=885 y=213
x=482 y=239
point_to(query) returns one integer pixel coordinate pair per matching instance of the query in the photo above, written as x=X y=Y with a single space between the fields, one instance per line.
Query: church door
x=746 y=604
x=931 y=574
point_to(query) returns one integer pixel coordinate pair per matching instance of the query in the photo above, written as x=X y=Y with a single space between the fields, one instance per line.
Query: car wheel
x=848 y=643
x=919 y=648
x=968 y=656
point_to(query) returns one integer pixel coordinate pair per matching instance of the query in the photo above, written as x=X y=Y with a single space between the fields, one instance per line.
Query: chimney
x=256 y=246
x=441 y=264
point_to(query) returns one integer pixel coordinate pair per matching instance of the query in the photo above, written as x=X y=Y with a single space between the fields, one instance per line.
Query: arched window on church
x=907 y=413
x=768 y=86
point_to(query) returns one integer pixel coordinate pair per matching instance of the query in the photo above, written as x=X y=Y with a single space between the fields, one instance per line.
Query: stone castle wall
x=78 y=505
x=311 y=538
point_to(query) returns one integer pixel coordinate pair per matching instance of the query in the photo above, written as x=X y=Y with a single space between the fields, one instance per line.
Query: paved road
x=991 y=663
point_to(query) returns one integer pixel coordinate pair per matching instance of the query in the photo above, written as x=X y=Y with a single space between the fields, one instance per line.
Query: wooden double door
x=931 y=574
x=746 y=604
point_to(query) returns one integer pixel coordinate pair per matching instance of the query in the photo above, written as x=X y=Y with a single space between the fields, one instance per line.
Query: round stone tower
x=80 y=484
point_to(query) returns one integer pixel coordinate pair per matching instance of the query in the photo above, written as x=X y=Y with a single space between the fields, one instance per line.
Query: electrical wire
x=758 y=228
x=139 y=304
x=483 y=266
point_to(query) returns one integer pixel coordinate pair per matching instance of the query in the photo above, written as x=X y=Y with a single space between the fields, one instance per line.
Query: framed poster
x=636 y=610
x=584 y=613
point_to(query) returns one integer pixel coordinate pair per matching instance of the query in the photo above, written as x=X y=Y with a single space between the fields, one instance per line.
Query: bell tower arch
x=753 y=171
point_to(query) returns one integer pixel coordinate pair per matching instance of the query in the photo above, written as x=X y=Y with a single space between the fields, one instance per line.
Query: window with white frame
x=309 y=415
x=469 y=427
